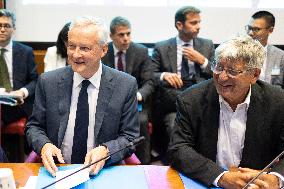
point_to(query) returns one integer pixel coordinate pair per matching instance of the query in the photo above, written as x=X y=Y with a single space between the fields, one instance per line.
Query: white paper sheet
x=31 y=183
x=71 y=181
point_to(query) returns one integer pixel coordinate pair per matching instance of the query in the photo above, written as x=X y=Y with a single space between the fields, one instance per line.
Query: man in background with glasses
x=260 y=26
x=229 y=128
x=18 y=73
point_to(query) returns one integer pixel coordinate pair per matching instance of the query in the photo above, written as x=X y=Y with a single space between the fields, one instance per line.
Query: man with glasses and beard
x=260 y=27
x=230 y=127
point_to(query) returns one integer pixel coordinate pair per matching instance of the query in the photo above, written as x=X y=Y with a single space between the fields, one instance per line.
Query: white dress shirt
x=93 y=91
x=263 y=76
x=231 y=133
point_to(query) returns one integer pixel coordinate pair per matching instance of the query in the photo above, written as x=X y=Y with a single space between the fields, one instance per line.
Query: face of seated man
x=258 y=29
x=190 y=28
x=85 y=50
x=233 y=79
x=121 y=38
x=6 y=30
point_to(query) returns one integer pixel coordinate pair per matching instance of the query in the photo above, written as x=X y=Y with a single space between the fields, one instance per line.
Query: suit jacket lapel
x=197 y=46
x=212 y=121
x=172 y=54
x=17 y=68
x=105 y=93
x=65 y=92
x=270 y=59
x=129 y=59
x=254 y=126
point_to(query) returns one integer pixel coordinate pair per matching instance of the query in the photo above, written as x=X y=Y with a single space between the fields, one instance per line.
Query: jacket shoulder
x=164 y=43
x=21 y=46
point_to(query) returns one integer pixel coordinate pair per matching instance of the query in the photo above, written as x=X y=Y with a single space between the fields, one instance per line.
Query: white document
x=8 y=98
x=71 y=181
x=31 y=183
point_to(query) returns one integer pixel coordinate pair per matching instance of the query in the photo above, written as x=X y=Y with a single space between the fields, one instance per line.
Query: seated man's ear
x=105 y=49
x=255 y=75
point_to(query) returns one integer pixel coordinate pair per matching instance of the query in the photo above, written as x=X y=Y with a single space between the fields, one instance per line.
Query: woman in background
x=56 y=56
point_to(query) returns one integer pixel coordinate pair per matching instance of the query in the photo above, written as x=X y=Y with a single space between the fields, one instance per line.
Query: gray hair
x=118 y=21
x=88 y=20
x=244 y=48
x=9 y=14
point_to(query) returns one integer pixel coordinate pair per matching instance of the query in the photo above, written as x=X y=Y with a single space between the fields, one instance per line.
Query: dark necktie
x=79 y=149
x=4 y=74
x=184 y=66
x=187 y=68
x=119 y=61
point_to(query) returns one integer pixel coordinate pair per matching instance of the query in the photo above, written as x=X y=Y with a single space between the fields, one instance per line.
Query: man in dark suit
x=18 y=70
x=229 y=128
x=260 y=27
x=178 y=63
x=133 y=59
x=84 y=111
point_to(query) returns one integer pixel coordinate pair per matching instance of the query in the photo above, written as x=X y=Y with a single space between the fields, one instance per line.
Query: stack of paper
x=8 y=99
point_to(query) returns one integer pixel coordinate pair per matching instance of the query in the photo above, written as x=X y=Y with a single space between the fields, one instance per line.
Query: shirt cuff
x=25 y=91
x=204 y=65
x=215 y=183
x=280 y=177
x=162 y=76
x=139 y=96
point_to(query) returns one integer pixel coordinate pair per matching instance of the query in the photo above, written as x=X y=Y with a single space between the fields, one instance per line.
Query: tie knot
x=85 y=84
x=119 y=53
x=187 y=45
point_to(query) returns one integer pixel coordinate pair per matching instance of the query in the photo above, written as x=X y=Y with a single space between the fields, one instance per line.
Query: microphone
x=132 y=144
x=264 y=169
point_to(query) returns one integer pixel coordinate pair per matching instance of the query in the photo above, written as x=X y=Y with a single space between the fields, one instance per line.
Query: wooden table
x=157 y=176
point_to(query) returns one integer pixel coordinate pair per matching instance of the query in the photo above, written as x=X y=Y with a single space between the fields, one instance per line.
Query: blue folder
x=126 y=177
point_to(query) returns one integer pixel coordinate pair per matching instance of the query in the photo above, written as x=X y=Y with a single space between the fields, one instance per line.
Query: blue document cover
x=126 y=177
x=189 y=183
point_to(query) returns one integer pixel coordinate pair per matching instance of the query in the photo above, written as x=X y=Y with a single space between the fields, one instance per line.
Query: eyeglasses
x=254 y=29
x=218 y=69
x=5 y=26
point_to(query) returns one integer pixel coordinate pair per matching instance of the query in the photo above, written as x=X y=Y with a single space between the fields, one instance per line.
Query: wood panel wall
x=39 y=56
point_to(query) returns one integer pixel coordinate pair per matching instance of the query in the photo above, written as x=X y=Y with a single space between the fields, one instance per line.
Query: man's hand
x=94 y=155
x=173 y=79
x=47 y=153
x=234 y=180
x=19 y=93
x=264 y=181
x=193 y=55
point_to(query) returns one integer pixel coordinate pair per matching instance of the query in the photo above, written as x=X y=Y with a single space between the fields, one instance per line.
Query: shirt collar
x=95 y=79
x=9 y=46
x=246 y=101
x=181 y=42
x=115 y=50
x=265 y=47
